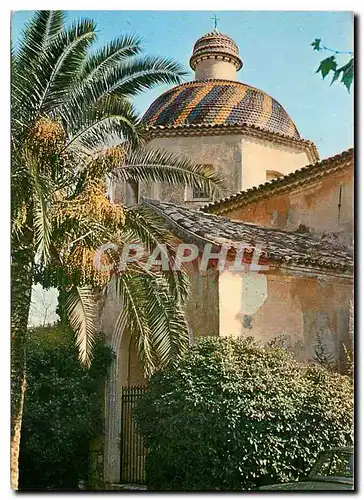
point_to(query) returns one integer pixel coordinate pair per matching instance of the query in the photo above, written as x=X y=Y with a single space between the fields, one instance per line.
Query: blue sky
x=274 y=46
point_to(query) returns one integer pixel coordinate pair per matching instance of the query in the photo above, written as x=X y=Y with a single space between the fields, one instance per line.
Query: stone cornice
x=224 y=129
x=218 y=56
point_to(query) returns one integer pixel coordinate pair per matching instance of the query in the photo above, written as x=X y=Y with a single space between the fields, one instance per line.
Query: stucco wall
x=315 y=205
x=266 y=306
x=260 y=156
x=214 y=68
x=202 y=308
x=135 y=371
x=242 y=160
x=222 y=152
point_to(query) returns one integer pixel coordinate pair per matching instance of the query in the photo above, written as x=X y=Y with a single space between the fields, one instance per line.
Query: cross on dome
x=214 y=18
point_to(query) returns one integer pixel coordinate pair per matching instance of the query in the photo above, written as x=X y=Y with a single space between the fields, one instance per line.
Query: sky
x=276 y=52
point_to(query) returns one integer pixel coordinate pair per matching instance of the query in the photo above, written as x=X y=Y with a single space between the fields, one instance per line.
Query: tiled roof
x=215 y=44
x=219 y=102
x=304 y=175
x=303 y=249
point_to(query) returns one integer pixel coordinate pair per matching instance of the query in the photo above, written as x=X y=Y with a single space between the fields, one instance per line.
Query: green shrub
x=61 y=412
x=233 y=415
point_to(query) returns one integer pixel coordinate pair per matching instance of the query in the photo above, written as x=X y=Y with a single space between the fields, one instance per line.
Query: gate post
x=112 y=426
x=118 y=376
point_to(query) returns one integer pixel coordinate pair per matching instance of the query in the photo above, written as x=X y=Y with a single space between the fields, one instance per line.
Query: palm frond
x=109 y=56
x=154 y=317
x=42 y=191
x=81 y=309
x=158 y=165
x=37 y=34
x=42 y=228
x=179 y=286
x=144 y=73
x=130 y=78
x=144 y=224
x=133 y=316
x=61 y=64
x=112 y=120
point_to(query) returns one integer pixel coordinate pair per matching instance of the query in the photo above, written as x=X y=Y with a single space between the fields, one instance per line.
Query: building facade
x=279 y=197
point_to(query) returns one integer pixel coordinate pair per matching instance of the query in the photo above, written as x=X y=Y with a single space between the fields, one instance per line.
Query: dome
x=219 y=102
x=218 y=46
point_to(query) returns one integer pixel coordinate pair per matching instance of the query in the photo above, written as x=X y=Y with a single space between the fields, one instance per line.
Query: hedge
x=62 y=410
x=233 y=415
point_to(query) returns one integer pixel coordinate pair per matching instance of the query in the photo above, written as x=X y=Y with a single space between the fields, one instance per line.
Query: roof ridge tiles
x=280 y=245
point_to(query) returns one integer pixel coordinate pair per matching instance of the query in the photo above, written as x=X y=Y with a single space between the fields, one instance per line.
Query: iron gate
x=131 y=447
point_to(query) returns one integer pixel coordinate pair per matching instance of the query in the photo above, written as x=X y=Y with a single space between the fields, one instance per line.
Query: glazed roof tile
x=219 y=102
x=214 y=44
x=285 y=247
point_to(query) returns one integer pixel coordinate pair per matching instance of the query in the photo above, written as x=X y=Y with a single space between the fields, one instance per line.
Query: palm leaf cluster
x=73 y=127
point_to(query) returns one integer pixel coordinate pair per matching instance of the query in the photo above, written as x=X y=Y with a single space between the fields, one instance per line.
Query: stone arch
x=124 y=371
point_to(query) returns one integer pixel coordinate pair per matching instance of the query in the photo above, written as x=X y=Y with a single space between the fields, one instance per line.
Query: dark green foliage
x=316 y=44
x=62 y=410
x=327 y=65
x=233 y=415
x=346 y=71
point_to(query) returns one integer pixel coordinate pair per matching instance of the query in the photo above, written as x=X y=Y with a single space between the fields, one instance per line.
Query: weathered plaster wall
x=260 y=156
x=242 y=160
x=222 y=152
x=202 y=308
x=135 y=371
x=315 y=205
x=269 y=305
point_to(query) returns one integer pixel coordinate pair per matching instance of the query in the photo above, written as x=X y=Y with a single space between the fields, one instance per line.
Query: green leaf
x=336 y=76
x=316 y=44
x=327 y=65
x=348 y=73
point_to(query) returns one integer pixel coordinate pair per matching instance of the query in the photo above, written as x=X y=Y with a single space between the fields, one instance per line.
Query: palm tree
x=73 y=124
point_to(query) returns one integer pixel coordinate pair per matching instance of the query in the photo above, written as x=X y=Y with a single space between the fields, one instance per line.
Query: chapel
x=279 y=197
x=241 y=131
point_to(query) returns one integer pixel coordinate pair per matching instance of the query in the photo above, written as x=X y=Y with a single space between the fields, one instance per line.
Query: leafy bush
x=233 y=415
x=61 y=411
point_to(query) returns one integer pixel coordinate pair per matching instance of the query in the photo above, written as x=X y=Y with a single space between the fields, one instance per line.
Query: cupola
x=215 y=56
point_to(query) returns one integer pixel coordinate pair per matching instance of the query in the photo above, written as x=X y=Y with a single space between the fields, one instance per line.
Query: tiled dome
x=215 y=44
x=219 y=102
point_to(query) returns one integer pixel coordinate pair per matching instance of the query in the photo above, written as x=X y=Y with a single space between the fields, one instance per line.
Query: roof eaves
x=294 y=179
x=226 y=128
x=190 y=236
x=172 y=224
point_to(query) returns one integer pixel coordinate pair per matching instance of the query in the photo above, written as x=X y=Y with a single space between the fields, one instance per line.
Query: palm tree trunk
x=21 y=289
